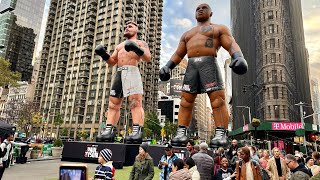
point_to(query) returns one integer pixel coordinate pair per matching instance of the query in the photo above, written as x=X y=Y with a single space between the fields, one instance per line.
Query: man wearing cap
x=204 y=162
x=143 y=165
x=276 y=167
x=126 y=83
x=299 y=158
x=166 y=161
x=105 y=169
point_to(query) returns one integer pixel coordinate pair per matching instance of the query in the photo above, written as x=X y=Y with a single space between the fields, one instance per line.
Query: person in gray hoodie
x=204 y=162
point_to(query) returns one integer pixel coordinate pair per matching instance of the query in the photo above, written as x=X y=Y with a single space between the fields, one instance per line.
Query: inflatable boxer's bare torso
x=202 y=41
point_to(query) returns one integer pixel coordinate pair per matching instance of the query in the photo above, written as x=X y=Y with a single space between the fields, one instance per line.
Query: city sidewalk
x=44 y=158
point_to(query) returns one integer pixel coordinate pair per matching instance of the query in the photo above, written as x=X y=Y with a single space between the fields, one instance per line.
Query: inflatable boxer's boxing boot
x=136 y=137
x=181 y=138
x=108 y=135
x=220 y=138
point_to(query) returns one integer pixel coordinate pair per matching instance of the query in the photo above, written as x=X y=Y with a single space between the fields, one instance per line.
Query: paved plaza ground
x=37 y=170
x=49 y=169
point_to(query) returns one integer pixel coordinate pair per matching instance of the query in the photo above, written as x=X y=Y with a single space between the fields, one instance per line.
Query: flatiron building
x=271 y=36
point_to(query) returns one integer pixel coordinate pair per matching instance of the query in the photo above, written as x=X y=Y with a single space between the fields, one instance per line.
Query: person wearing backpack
x=246 y=169
x=4 y=153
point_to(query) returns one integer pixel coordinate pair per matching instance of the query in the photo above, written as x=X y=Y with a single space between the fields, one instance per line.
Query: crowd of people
x=234 y=163
x=239 y=163
x=199 y=163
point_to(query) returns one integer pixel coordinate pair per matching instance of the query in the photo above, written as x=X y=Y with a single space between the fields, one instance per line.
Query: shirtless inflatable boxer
x=127 y=83
x=201 y=43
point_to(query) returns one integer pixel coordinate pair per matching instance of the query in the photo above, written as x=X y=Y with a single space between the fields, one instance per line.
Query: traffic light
x=313 y=137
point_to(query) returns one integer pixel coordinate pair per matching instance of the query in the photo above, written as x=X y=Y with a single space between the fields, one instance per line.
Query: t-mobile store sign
x=286 y=126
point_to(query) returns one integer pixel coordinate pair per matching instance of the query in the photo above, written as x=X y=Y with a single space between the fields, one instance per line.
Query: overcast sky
x=178 y=16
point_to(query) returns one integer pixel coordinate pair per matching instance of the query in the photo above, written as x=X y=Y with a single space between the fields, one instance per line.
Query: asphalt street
x=38 y=170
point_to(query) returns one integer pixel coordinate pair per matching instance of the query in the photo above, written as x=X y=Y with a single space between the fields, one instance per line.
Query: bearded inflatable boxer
x=201 y=44
x=126 y=83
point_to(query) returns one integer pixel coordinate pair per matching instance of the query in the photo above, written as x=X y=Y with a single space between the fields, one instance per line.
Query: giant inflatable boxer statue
x=201 y=44
x=127 y=83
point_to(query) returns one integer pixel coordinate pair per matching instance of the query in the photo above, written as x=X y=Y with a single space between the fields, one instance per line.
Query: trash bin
x=21 y=157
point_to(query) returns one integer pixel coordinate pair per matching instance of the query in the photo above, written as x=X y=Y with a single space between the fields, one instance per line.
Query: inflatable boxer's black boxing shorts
x=202 y=75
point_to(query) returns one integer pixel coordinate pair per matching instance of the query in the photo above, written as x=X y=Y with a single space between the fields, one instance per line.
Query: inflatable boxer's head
x=203 y=12
x=131 y=29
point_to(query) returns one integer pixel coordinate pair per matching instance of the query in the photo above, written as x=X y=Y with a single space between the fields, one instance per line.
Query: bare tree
x=11 y=111
x=28 y=116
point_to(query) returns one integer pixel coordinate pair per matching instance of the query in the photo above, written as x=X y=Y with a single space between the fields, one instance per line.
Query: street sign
x=162 y=132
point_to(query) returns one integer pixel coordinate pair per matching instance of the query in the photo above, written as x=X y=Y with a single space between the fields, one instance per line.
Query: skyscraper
x=75 y=82
x=315 y=100
x=20 y=22
x=271 y=36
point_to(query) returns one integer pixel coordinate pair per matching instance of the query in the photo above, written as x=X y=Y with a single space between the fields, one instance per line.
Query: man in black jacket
x=233 y=149
x=299 y=171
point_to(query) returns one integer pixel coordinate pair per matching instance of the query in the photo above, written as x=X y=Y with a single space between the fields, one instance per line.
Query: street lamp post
x=247 y=107
x=302 y=117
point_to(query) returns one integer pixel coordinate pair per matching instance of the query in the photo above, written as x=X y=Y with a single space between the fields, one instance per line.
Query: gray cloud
x=311 y=21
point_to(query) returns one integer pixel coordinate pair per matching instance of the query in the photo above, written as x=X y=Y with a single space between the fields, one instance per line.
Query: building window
x=265 y=30
x=279 y=58
x=278 y=43
x=276 y=111
x=284 y=111
x=265 y=44
x=269 y=111
x=266 y=59
x=271 y=29
x=175 y=113
x=281 y=75
x=270 y=14
x=268 y=93
x=283 y=90
x=274 y=75
x=272 y=43
x=176 y=106
x=273 y=57
x=269 y=2
x=275 y=92
x=264 y=16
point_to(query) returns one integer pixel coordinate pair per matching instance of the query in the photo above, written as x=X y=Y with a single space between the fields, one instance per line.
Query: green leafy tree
x=83 y=135
x=58 y=120
x=64 y=132
x=147 y=132
x=152 y=122
x=7 y=77
x=170 y=128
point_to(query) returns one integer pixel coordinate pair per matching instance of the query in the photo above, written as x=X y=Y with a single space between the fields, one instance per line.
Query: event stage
x=122 y=154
